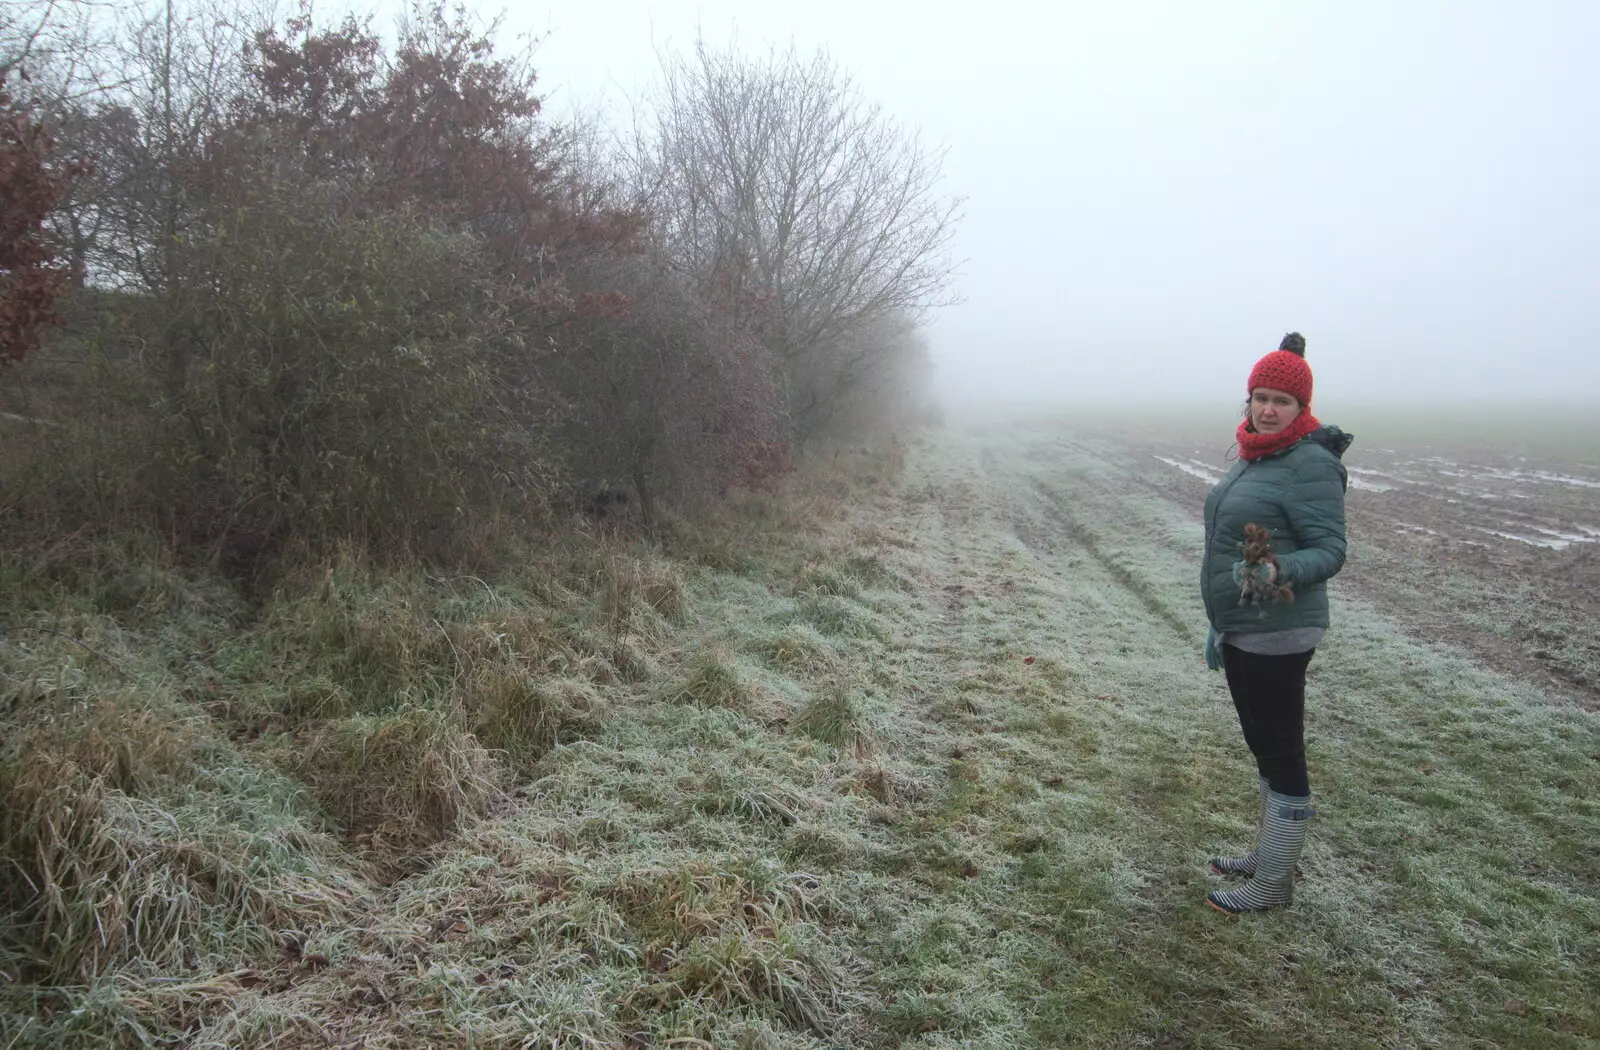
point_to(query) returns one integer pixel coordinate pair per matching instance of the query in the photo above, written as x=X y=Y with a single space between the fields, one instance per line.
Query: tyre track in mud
x=1051 y=504
x=1103 y=555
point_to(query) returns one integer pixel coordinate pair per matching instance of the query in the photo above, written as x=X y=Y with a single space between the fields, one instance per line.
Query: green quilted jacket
x=1298 y=494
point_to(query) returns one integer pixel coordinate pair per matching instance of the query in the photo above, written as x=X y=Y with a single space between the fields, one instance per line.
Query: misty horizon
x=1154 y=194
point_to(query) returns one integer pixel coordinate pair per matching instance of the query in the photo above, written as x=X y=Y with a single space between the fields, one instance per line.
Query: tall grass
x=930 y=760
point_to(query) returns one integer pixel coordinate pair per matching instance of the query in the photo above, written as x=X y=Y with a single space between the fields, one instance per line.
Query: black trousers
x=1269 y=693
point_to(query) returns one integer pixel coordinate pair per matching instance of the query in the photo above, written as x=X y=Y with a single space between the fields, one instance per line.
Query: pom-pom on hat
x=1285 y=369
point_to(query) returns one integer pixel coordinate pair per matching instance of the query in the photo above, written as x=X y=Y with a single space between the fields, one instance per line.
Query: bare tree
x=52 y=42
x=779 y=186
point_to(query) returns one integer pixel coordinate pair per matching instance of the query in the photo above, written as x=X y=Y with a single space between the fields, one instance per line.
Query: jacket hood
x=1331 y=438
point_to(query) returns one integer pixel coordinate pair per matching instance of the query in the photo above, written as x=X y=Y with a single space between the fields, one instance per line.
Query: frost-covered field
x=920 y=753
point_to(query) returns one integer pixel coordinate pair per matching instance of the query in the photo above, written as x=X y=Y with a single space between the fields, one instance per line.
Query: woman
x=1269 y=609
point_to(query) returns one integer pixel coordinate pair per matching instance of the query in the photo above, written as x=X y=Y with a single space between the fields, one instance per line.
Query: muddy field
x=1498 y=554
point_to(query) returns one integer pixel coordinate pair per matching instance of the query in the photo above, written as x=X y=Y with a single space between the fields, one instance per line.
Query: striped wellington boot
x=1283 y=835
x=1245 y=866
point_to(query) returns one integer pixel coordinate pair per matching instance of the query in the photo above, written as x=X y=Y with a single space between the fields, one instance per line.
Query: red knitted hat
x=1285 y=369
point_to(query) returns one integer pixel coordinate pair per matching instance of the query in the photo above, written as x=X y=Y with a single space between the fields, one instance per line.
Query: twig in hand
x=1258 y=551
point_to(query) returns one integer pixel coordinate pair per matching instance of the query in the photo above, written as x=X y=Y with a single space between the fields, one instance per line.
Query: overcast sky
x=1156 y=192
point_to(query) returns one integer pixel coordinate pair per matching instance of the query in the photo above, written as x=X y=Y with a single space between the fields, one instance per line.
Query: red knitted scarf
x=1253 y=445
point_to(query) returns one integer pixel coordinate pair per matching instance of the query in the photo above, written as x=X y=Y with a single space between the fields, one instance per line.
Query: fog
x=1156 y=192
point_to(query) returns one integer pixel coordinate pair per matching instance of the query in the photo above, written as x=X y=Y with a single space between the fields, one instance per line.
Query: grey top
x=1276 y=643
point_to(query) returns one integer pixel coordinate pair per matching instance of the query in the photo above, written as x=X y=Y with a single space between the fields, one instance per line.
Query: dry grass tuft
x=109 y=856
x=402 y=780
x=734 y=937
x=657 y=584
x=884 y=785
x=842 y=618
x=369 y=635
x=134 y=576
x=797 y=650
x=710 y=679
x=523 y=716
x=741 y=969
x=834 y=716
x=825 y=579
